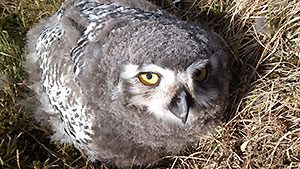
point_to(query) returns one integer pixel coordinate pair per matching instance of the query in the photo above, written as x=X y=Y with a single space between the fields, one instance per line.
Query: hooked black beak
x=180 y=104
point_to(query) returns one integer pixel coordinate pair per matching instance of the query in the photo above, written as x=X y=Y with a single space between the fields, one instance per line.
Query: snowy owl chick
x=125 y=81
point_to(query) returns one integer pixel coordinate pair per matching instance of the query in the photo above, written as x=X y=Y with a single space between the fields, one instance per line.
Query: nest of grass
x=261 y=127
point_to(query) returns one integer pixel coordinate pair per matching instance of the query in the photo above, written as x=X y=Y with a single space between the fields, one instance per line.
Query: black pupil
x=198 y=73
x=149 y=75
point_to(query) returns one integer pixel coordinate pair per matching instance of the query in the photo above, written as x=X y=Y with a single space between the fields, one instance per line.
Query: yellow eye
x=200 y=74
x=149 y=78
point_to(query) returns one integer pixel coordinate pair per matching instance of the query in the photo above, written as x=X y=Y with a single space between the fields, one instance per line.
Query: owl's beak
x=180 y=104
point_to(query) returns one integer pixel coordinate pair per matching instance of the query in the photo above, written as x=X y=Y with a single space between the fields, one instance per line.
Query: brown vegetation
x=261 y=126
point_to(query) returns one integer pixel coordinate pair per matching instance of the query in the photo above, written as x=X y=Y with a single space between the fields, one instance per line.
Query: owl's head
x=177 y=72
x=174 y=86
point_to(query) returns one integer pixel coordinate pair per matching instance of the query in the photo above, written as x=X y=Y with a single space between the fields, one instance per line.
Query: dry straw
x=261 y=126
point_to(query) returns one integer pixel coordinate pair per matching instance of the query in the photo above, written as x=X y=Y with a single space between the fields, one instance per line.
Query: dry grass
x=261 y=127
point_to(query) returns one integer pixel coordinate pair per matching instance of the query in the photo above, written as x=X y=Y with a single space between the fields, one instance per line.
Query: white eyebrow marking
x=197 y=65
x=129 y=71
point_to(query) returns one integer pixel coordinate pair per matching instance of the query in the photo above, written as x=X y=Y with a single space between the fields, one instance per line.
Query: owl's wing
x=51 y=48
